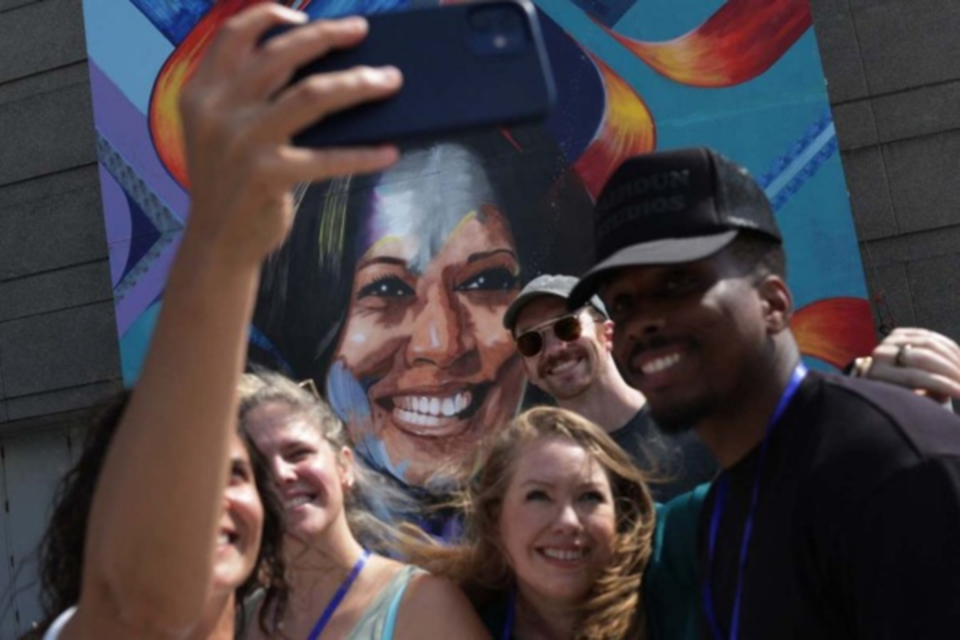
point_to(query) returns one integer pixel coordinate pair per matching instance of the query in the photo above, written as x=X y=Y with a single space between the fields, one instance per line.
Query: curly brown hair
x=62 y=546
x=613 y=609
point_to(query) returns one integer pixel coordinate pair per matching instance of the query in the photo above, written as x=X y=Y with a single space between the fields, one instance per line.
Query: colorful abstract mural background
x=743 y=76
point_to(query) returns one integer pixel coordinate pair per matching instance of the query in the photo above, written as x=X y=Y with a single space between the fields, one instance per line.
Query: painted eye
x=386 y=287
x=496 y=279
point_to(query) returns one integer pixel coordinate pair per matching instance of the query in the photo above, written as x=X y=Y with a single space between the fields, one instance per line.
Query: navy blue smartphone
x=465 y=66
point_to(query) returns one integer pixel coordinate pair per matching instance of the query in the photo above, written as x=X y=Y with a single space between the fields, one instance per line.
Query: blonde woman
x=558 y=531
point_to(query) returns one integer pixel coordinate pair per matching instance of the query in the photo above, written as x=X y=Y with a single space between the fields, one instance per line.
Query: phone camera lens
x=481 y=21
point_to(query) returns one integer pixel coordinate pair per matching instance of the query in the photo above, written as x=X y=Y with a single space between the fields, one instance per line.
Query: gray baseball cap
x=558 y=286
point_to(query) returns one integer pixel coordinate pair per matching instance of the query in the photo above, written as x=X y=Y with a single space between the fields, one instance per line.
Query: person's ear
x=345 y=464
x=777 y=303
x=606 y=329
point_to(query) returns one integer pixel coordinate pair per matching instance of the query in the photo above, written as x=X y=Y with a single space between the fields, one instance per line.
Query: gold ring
x=862 y=366
x=900 y=360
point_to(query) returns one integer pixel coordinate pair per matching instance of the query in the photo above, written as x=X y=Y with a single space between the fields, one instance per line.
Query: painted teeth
x=293 y=503
x=418 y=418
x=415 y=409
x=560 y=554
x=658 y=365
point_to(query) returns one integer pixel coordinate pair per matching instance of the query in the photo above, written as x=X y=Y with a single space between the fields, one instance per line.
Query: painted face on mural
x=424 y=367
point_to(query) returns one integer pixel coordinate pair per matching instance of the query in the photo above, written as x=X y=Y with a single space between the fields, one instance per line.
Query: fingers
x=318 y=96
x=239 y=35
x=927 y=340
x=933 y=384
x=277 y=59
x=919 y=359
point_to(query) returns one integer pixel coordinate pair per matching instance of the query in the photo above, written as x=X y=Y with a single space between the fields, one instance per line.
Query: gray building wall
x=893 y=68
x=893 y=71
x=58 y=346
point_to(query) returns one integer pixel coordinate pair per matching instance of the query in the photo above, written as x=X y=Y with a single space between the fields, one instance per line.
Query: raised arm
x=153 y=523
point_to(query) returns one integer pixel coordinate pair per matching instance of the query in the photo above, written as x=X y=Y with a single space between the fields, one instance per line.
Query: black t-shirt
x=857 y=529
x=677 y=463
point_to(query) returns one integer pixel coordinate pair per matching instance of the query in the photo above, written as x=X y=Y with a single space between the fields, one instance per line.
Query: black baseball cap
x=558 y=286
x=672 y=207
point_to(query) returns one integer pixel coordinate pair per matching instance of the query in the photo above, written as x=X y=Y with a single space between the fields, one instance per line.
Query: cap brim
x=510 y=316
x=667 y=251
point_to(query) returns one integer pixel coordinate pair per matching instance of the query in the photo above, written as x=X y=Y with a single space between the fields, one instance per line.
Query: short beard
x=677 y=420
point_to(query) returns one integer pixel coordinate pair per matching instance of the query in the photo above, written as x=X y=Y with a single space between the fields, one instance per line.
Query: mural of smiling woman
x=401 y=325
x=423 y=340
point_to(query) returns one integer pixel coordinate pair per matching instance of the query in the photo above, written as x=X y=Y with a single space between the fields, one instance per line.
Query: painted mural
x=389 y=293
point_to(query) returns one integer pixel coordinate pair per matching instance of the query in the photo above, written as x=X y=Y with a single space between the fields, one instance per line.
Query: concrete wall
x=894 y=79
x=58 y=347
x=893 y=68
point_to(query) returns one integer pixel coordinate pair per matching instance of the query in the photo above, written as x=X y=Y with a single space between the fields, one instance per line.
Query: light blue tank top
x=380 y=619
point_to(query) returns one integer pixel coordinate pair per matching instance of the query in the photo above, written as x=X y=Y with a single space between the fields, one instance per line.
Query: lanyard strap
x=339 y=595
x=719 y=503
x=510 y=615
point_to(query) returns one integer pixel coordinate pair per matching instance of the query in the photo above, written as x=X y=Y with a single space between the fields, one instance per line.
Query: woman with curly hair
x=252 y=512
x=175 y=521
x=558 y=530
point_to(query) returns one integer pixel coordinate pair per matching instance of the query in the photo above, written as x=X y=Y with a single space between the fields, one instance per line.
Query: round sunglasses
x=567 y=328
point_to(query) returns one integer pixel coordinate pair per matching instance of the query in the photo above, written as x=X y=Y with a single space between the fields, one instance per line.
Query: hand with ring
x=919 y=359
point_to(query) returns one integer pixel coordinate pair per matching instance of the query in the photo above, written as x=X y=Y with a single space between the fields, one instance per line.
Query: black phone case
x=451 y=83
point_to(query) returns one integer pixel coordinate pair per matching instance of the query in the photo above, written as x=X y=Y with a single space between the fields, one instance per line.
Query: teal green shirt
x=671 y=587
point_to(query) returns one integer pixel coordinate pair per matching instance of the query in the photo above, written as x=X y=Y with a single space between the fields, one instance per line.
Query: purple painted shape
x=148 y=288
x=118 y=222
x=125 y=128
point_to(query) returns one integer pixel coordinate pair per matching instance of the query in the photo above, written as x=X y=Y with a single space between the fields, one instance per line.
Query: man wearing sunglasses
x=837 y=513
x=567 y=354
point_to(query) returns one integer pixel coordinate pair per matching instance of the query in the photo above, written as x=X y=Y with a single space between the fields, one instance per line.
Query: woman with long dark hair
x=175 y=520
x=391 y=289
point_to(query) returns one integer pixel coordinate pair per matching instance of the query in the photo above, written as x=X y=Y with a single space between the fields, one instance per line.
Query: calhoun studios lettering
x=653 y=206
x=646 y=185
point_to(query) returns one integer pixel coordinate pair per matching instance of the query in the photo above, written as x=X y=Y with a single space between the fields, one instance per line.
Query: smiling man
x=837 y=514
x=568 y=355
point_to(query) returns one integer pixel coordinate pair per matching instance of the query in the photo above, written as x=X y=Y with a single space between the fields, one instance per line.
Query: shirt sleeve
x=904 y=575
x=671 y=595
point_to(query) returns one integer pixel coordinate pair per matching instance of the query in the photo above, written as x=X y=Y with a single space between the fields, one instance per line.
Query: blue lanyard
x=510 y=615
x=719 y=502
x=338 y=596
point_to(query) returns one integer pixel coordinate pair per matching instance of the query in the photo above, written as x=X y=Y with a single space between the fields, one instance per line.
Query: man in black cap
x=567 y=354
x=837 y=514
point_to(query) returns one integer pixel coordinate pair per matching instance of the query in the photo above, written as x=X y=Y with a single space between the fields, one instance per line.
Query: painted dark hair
x=62 y=547
x=306 y=286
